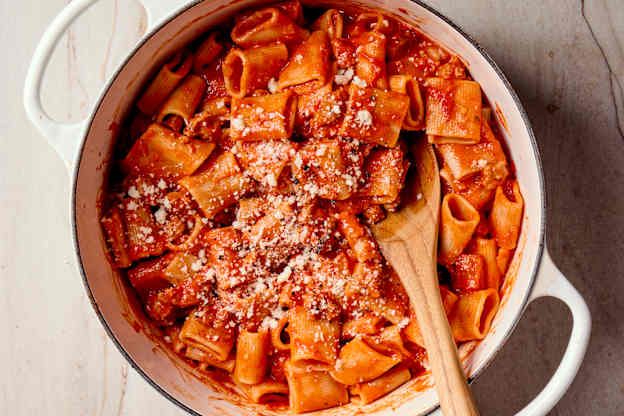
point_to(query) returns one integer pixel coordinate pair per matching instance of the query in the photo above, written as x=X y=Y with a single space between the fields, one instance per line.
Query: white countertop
x=564 y=57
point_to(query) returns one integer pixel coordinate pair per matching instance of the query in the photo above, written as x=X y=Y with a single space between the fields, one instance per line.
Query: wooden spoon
x=409 y=241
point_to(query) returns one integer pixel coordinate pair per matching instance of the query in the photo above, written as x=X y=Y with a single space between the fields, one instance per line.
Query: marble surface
x=564 y=57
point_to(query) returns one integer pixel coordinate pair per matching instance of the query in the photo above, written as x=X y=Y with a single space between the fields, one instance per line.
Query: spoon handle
x=419 y=277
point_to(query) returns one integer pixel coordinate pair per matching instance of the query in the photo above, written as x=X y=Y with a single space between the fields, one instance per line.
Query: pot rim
x=177 y=12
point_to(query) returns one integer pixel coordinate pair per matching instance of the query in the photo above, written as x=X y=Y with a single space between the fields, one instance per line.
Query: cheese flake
x=133 y=192
x=359 y=82
x=272 y=86
x=343 y=76
x=364 y=118
x=237 y=123
x=161 y=215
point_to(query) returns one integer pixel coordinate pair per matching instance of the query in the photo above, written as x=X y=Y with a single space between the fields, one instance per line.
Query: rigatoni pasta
x=266 y=26
x=313 y=390
x=218 y=185
x=267 y=391
x=309 y=66
x=506 y=215
x=453 y=111
x=358 y=362
x=312 y=340
x=374 y=115
x=161 y=151
x=370 y=61
x=207 y=360
x=252 y=356
x=263 y=117
x=487 y=249
x=206 y=53
x=165 y=82
x=331 y=22
x=216 y=341
x=473 y=313
x=371 y=390
x=458 y=221
x=239 y=203
x=405 y=84
x=184 y=100
x=246 y=70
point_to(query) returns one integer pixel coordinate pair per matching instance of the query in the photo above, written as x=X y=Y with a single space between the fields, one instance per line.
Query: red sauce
x=305 y=252
x=114 y=127
x=501 y=118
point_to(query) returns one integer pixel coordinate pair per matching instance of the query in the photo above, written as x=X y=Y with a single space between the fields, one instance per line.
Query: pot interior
x=115 y=303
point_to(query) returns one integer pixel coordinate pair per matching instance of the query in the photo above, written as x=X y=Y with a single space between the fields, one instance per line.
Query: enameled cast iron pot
x=86 y=148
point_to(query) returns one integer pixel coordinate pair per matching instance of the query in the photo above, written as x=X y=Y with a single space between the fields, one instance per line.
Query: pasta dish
x=244 y=182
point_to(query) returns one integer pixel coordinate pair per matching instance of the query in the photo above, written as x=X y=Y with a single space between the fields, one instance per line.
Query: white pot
x=86 y=148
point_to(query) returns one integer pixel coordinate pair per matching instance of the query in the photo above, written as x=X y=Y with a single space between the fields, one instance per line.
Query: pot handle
x=551 y=282
x=65 y=138
x=157 y=10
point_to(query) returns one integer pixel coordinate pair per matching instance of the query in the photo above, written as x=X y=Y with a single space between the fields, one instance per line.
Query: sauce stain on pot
x=501 y=118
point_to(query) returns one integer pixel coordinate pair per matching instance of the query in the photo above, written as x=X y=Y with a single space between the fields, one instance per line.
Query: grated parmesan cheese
x=271 y=180
x=148 y=190
x=298 y=161
x=238 y=123
x=166 y=203
x=133 y=193
x=161 y=215
x=196 y=265
x=359 y=82
x=272 y=86
x=269 y=322
x=403 y=323
x=145 y=230
x=284 y=275
x=343 y=76
x=364 y=118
